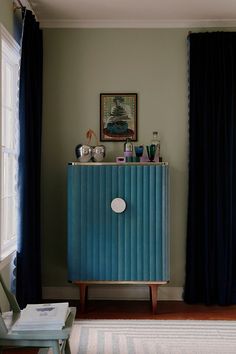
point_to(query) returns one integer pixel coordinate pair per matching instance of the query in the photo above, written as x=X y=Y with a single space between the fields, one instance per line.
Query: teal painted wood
x=106 y=246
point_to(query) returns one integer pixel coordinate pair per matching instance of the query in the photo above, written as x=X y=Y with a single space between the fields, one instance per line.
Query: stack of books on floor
x=42 y=317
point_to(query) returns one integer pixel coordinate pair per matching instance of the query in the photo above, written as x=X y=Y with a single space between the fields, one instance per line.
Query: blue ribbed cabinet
x=109 y=247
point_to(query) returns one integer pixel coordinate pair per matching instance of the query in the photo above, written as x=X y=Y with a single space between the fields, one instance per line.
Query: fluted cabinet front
x=107 y=246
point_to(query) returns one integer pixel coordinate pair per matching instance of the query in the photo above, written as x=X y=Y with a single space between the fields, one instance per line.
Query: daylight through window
x=9 y=80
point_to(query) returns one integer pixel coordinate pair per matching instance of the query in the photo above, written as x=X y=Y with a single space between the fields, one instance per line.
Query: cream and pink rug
x=153 y=337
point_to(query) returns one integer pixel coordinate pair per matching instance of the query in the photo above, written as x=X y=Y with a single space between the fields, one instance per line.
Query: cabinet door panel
x=107 y=246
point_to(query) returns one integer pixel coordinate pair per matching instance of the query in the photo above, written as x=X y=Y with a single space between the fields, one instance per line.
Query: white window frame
x=9 y=54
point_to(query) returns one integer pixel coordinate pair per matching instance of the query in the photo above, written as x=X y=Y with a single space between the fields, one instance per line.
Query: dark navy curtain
x=28 y=275
x=211 y=230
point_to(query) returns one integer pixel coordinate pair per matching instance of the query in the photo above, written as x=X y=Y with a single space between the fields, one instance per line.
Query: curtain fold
x=28 y=275
x=211 y=229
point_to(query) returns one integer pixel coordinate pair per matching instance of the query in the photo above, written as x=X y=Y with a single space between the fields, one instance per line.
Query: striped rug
x=153 y=336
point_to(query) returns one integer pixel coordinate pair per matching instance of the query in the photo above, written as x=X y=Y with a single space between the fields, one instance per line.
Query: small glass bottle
x=128 y=148
x=156 y=141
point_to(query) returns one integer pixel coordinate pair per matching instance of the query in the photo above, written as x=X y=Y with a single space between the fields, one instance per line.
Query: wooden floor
x=175 y=310
x=171 y=310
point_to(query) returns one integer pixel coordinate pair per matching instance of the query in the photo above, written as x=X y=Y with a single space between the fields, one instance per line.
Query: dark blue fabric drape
x=211 y=230
x=28 y=276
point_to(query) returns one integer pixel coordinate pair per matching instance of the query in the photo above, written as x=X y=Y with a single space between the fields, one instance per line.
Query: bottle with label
x=128 y=148
x=156 y=141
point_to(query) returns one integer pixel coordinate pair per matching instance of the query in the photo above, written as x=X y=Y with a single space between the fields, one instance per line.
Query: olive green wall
x=79 y=64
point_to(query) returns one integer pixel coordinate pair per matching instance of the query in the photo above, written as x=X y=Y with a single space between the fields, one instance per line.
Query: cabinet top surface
x=76 y=163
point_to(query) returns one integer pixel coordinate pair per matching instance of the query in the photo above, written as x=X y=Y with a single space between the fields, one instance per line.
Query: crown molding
x=137 y=24
x=27 y=4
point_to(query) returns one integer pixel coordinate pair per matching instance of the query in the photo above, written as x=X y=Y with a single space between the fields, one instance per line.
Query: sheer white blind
x=9 y=80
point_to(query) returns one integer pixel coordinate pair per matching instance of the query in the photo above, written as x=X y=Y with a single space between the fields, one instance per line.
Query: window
x=9 y=135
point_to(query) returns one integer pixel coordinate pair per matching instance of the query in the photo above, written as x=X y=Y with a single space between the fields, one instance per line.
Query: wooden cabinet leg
x=153 y=296
x=83 y=292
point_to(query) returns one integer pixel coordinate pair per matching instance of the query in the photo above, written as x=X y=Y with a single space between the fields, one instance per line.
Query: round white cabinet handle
x=118 y=205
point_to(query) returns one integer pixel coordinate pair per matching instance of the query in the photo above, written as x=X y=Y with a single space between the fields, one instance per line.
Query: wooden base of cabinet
x=153 y=287
x=153 y=296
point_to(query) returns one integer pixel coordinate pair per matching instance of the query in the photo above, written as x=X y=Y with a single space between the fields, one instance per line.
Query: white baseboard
x=113 y=292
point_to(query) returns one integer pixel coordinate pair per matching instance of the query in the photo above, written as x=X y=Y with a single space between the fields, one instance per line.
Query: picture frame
x=118 y=116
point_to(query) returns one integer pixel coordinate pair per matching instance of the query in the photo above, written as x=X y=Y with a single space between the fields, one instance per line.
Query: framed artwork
x=118 y=116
